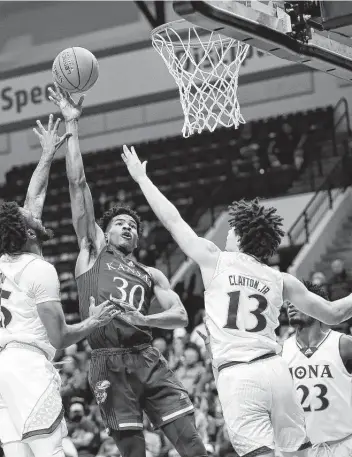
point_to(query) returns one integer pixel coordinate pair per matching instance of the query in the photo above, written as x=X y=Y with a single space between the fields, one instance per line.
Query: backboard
x=275 y=28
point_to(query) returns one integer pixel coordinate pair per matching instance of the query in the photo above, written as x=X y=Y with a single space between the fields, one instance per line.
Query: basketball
x=75 y=70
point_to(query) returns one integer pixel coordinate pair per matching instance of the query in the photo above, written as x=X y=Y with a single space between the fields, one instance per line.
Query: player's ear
x=31 y=234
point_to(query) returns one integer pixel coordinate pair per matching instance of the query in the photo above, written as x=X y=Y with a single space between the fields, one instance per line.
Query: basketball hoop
x=205 y=66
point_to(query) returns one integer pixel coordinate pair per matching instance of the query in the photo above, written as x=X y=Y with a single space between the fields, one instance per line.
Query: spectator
x=191 y=369
x=340 y=283
x=298 y=158
x=283 y=144
x=247 y=144
x=161 y=345
x=122 y=198
x=74 y=382
x=206 y=380
x=176 y=353
x=339 y=271
x=319 y=279
x=82 y=430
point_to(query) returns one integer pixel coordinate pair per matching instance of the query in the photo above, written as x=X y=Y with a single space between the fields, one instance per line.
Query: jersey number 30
x=258 y=312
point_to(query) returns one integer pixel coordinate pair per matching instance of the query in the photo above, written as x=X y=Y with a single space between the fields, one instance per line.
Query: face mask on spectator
x=76 y=412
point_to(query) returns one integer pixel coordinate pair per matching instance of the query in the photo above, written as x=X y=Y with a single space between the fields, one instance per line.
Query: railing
x=324 y=197
x=341 y=122
x=336 y=183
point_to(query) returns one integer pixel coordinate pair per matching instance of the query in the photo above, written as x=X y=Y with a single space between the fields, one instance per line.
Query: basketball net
x=205 y=66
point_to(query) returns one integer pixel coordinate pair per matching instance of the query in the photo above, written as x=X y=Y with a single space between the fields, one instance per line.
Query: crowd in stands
x=185 y=170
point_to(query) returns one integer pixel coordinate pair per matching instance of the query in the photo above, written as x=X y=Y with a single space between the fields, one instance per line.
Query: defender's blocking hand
x=103 y=313
x=49 y=139
x=136 y=168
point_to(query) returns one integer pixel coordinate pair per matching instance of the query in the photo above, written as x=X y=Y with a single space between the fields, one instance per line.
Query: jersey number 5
x=5 y=315
x=258 y=312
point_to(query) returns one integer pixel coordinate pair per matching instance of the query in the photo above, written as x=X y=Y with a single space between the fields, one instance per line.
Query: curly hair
x=318 y=290
x=13 y=229
x=115 y=211
x=258 y=228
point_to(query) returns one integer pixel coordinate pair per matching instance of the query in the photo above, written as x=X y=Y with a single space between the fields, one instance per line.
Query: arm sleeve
x=41 y=281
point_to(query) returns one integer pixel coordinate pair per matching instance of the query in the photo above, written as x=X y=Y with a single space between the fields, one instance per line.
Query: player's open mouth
x=127 y=236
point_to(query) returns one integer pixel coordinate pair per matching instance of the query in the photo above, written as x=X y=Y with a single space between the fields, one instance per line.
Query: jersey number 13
x=258 y=312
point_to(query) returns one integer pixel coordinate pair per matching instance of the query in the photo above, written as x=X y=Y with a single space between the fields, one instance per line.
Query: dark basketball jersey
x=114 y=275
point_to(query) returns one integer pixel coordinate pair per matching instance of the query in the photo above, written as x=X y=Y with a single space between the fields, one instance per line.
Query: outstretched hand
x=103 y=313
x=69 y=108
x=136 y=168
x=49 y=139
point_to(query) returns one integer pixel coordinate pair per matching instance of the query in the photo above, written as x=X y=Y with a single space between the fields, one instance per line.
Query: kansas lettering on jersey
x=324 y=387
x=114 y=275
x=19 y=318
x=242 y=305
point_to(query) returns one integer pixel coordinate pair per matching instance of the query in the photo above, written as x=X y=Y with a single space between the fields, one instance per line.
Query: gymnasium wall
x=135 y=98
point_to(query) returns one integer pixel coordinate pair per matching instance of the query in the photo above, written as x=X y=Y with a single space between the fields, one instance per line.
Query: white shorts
x=342 y=448
x=260 y=407
x=30 y=401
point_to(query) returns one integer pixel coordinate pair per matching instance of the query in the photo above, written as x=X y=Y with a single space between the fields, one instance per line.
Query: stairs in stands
x=341 y=248
x=315 y=174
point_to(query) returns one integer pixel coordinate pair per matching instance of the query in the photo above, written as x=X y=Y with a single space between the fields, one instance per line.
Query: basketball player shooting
x=243 y=297
x=127 y=375
x=32 y=323
x=319 y=358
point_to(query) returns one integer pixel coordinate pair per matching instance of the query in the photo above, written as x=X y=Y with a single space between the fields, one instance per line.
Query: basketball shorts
x=30 y=401
x=260 y=407
x=128 y=381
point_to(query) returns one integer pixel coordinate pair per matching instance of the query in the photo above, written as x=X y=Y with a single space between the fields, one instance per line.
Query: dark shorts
x=127 y=381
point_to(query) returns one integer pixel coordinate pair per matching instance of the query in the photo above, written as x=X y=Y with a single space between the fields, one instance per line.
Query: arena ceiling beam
x=156 y=17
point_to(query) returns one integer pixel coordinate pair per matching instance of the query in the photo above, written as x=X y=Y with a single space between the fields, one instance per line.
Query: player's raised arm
x=88 y=232
x=329 y=312
x=50 y=143
x=202 y=251
x=174 y=314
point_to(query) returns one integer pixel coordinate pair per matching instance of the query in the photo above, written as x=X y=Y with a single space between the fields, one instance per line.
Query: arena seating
x=187 y=171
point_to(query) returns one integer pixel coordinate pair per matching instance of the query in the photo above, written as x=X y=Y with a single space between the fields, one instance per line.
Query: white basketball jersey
x=242 y=305
x=19 y=318
x=324 y=387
